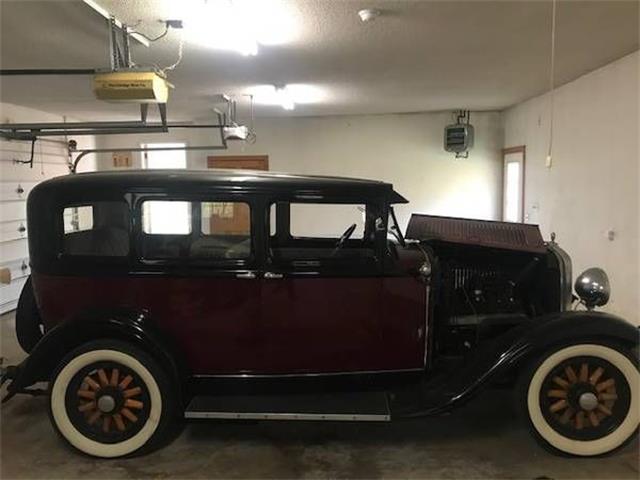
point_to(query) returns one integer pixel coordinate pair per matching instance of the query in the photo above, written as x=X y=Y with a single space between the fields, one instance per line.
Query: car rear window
x=99 y=229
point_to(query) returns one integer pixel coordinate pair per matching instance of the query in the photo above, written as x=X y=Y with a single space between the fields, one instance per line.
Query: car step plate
x=363 y=407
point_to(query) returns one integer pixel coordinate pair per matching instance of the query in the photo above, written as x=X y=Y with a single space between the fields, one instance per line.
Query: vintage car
x=161 y=295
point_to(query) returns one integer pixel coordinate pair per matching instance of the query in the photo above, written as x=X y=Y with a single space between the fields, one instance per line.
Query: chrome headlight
x=425 y=270
x=593 y=287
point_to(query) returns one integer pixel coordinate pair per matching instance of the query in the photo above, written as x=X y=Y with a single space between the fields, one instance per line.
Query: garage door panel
x=12 y=191
x=13 y=211
x=9 y=295
x=13 y=230
x=14 y=250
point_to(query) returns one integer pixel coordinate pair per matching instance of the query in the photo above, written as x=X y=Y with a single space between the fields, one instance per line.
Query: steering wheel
x=345 y=236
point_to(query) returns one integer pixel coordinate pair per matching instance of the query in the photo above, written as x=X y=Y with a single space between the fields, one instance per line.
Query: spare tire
x=28 y=321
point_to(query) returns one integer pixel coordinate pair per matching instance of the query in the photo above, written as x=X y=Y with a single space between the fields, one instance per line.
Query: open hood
x=508 y=236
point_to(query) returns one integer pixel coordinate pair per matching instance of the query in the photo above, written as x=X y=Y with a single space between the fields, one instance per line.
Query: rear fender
x=126 y=325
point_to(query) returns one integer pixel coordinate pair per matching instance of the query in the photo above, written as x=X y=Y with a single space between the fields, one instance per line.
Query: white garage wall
x=403 y=149
x=49 y=161
x=593 y=185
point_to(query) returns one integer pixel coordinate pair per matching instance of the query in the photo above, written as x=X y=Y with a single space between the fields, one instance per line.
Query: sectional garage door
x=16 y=181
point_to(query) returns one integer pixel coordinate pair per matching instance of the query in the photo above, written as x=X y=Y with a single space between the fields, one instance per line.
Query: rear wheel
x=111 y=399
x=583 y=399
x=28 y=323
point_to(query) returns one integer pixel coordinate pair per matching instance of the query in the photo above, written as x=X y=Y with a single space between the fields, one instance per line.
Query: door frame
x=507 y=151
x=324 y=267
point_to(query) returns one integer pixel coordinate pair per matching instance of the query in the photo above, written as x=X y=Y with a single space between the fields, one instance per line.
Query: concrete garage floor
x=481 y=440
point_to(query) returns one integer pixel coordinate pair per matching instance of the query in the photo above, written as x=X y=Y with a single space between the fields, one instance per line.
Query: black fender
x=119 y=324
x=507 y=353
x=28 y=320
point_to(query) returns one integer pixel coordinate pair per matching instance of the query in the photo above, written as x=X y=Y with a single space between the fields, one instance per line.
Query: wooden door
x=239 y=162
x=233 y=218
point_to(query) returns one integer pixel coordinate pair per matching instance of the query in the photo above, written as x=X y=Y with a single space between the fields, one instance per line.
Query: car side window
x=321 y=232
x=100 y=229
x=225 y=231
x=207 y=230
x=326 y=220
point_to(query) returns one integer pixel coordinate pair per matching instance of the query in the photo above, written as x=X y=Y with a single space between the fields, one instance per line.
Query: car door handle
x=246 y=275
x=272 y=275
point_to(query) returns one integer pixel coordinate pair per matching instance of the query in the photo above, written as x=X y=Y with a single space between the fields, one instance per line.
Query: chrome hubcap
x=106 y=403
x=588 y=401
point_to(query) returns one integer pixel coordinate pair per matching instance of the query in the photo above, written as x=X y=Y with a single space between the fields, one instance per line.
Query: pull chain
x=552 y=81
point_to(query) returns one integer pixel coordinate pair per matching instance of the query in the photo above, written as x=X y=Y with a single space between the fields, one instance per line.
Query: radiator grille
x=511 y=236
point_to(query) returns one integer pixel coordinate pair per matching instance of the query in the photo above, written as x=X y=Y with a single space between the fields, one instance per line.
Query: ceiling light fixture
x=239 y=25
x=287 y=96
x=285 y=99
x=368 y=14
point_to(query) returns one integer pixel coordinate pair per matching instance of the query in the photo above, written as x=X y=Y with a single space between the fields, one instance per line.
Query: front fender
x=582 y=325
x=561 y=328
x=507 y=353
x=120 y=324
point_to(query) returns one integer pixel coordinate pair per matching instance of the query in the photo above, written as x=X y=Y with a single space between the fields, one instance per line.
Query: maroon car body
x=200 y=287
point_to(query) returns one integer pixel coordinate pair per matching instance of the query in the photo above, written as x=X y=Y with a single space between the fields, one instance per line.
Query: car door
x=196 y=278
x=321 y=305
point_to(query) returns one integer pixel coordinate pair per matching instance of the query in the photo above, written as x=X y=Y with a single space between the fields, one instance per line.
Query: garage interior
x=363 y=89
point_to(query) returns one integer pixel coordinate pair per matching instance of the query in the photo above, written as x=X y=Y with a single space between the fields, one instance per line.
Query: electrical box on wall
x=121 y=159
x=458 y=138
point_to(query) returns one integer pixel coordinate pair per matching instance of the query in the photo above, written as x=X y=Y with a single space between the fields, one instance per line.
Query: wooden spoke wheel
x=111 y=399
x=583 y=399
x=112 y=402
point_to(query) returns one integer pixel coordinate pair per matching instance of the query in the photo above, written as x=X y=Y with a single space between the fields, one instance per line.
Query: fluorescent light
x=239 y=25
x=288 y=96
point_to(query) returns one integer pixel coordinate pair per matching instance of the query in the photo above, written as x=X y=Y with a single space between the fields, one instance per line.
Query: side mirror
x=593 y=287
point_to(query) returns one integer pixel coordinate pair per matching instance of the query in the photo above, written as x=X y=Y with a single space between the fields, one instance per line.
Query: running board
x=353 y=407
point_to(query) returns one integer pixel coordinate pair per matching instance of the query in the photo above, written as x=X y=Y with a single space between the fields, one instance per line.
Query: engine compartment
x=479 y=293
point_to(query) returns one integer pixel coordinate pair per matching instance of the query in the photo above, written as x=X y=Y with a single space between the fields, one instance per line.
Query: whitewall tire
x=583 y=399
x=109 y=399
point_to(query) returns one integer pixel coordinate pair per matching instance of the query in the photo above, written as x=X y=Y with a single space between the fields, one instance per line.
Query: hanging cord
x=252 y=133
x=552 y=79
x=41 y=158
x=168 y=25
x=150 y=39
x=177 y=62
x=30 y=161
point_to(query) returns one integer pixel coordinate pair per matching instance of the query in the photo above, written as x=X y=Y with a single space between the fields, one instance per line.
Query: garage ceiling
x=417 y=56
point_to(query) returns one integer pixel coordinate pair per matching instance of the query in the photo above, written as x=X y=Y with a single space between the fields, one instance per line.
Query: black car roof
x=203 y=179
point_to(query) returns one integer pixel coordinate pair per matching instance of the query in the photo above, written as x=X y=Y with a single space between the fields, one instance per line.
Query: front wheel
x=582 y=399
x=111 y=399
